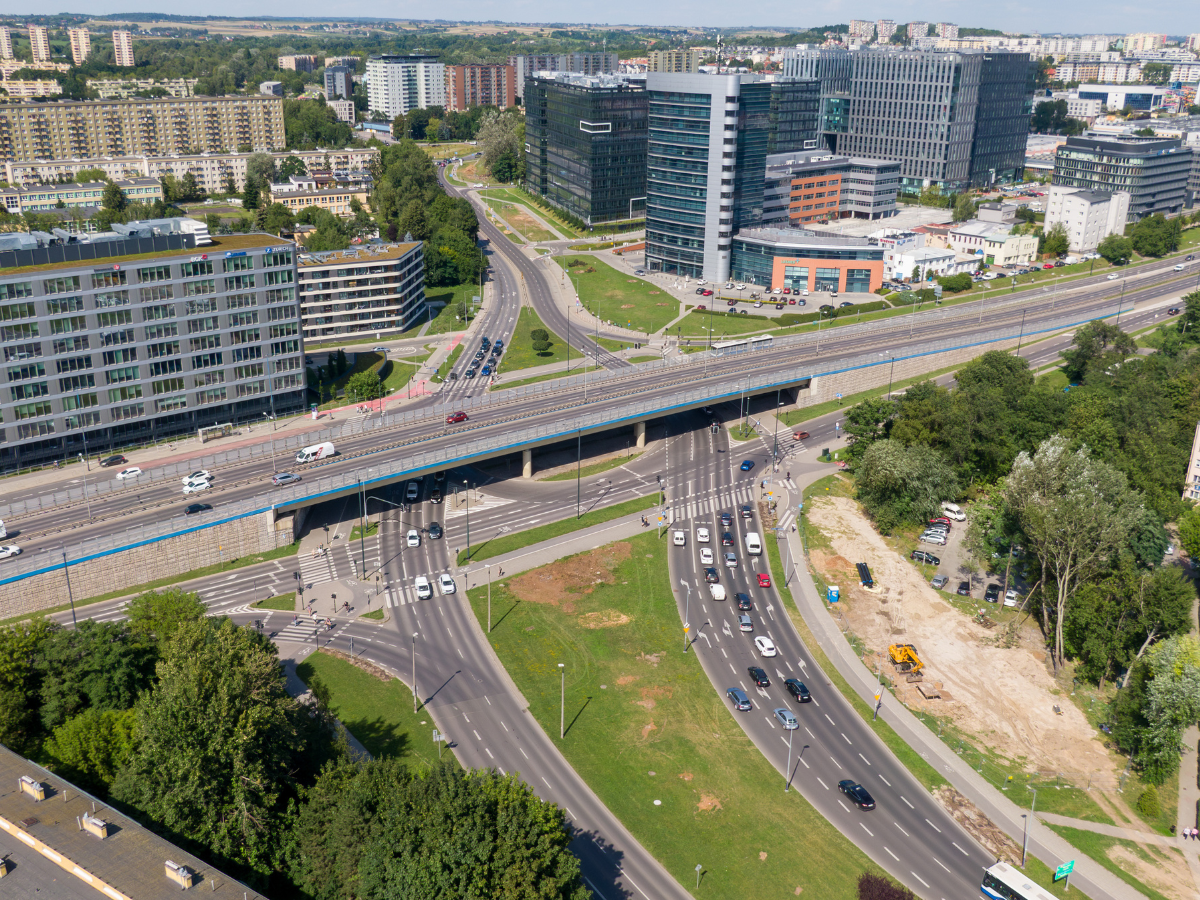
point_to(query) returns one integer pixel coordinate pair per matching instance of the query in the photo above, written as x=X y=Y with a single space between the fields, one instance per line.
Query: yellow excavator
x=904 y=658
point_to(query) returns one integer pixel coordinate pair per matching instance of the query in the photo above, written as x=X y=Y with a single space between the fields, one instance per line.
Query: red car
x=940 y=520
x=801 y=435
x=707 y=293
x=1048 y=266
x=701 y=306
x=455 y=418
x=787 y=290
x=764 y=580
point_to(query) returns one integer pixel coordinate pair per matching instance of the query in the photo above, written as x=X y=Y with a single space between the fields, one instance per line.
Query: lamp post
x=787 y=776
x=562 y=708
x=775 y=448
x=467 y=500
x=891 y=368
x=70 y=596
x=489 y=573
x=1025 y=838
x=687 y=612
x=414 y=674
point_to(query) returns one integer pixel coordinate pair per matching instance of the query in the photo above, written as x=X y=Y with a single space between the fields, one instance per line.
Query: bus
x=1005 y=882
x=745 y=345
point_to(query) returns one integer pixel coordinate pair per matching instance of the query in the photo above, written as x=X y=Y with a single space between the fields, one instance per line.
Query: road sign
x=1064 y=870
x=839 y=396
x=436 y=737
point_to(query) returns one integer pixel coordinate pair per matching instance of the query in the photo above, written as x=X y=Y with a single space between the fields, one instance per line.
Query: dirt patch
x=762 y=854
x=554 y=584
x=627 y=306
x=1004 y=696
x=652 y=658
x=609 y=618
x=651 y=696
x=359 y=663
x=627 y=679
x=1169 y=876
x=646 y=729
x=979 y=826
x=686 y=776
x=708 y=803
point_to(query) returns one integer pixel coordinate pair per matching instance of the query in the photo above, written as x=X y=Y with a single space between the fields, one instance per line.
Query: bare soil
x=554 y=584
x=1168 y=874
x=979 y=826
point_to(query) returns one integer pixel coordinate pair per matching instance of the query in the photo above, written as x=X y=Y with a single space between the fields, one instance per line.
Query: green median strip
x=448 y=365
x=507 y=543
x=549 y=376
x=286 y=602
x=594 y=468
x=1097 y=847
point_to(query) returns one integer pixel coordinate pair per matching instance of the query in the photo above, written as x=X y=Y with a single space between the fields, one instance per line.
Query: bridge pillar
x=639 y=432
x=526 y=463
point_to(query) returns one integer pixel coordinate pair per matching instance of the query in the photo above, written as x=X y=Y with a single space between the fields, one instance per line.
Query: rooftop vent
x=33 y=788
x=181 y=875
x=95 y=826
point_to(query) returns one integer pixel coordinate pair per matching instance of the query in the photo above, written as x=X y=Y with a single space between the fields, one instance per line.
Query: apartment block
x=709 y=137
x=586 y=63
x=1143 y=43
x=343 y=109
x=123 y=49
x=400 y=84
x=1088 y=216
x=301 y=63
x=6 y=45
x=585 y=144
x=370 y=291
x=81 y=44
x=143 y=334
x=917 y=30
x=349 y=62
x=480 y=85
x=271 y=88
x=884 y=29
x=125 y=88
x=339 y=82
x=947 y=31
x=677 y=61
x=861 y=31
x=1153 y=171
x=336 y=200
x=39 y=43
x=76 y=129
x=1193 y=43
x=39 y=88
x=45 y=197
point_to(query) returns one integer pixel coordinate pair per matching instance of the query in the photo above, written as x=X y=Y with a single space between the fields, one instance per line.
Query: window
x=69 y=345
x=239 y=264
x=285 y=347
x=68 y=285
x=73 y=364
x=196 y=307
x=131 y=411
x=252 y=371
x=116 y=338
x=81 y=420
x=196 y=267
x=129 y=392
x=282 y=295
x=242 y=301
x=14 y=352
x=75 y=383
x=170 y=404
x=280 y=276
x=154 y=294
x=68 y=325
x=279 y=331
x=35 y=429
x=211 y=395
x=154 y=313
x=209 y=323
x=198 y=288
x=157 y=351
x=212 y=342
x=242 y=354
x=109 y=299
x=166 y=367
x=125 y=373
x=206 y=360
x=251 y=388
x=16 y=290
x=287 y=382
x=154 y=273
x=279 y=313
x=80 y=401
x=56 y=305
x=29 y=390
x=167 y=386
x=287 y=365
x=33 y=370
x=244 y=318
x=274 y=258
x=113 y=278
x=206 y=378
x=116 y=357
x=32 y=410
x=15 y=311
x=239 y=282
x=248 y=336
x=114 y=319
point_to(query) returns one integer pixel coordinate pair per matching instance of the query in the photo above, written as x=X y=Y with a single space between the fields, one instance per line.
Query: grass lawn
x=446 y=319
x=615 y=297
x=645 y=725
x=595 y=468
x=449 y=363
x=286 y=602
x=519 y=354
x=519 y=219
x=376 y=614
x=507 y=543
x=377 y=712
x=556 y=221
x=547 y=377
x=696 y=324
x=642 y=359
x=1055 y=378
x=1097 y=845
x=447 y=149
x=356 y=532
x=398 y=375
x=613 y=346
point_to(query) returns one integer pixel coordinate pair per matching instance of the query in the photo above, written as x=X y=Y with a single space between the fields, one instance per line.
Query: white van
x=315 y=452
x=3 y=530
x=954 y=511
x=753 y=543
x=677 y=537
x=423 y=588
x=716 y=591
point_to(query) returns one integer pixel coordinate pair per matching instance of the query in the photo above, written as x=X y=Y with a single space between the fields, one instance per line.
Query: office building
x=98 y=356
x=400 y=84
x=39 y=44
x=271 y=88
x=1153 y=171
x=339 y=83
x=1146 y=97
x=343 y=109
x=805 y=260
x=373 y=290
x=677 y=61
x=81 y=44
x=349 y=62
x=884 y=29
x=337 y=199
x=585 y=144
x=45 y=197
x=809 y=186
x=861 y=31
x=709 y=137
x=480 y=85
x=125 y=88
x=123 y=49
x=301 y=63
x=6 y=45
x=76 y=129
x=1001 y=119
x=586 y=63
x=917 y=30
x=1142 y=43
x=947 y=31
x=1088 y=216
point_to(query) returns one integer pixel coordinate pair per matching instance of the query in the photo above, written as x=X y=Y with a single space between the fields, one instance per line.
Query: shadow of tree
x=379 y=737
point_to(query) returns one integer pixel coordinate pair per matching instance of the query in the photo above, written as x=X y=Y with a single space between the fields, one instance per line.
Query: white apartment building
x=6 y=47
x=123 y=49
x=861 y=30
x=39 y=43
x=884 y=29
x=917 y=30
x=81 y=44
x=400 y=84
x=1143 y=43
x=1191 y=479
x=1193 y=43
x=948 y=31
x=1089 y=216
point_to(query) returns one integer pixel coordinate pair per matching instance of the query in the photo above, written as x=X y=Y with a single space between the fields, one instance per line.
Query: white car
x=989 y=276
x=1011 y=597
x=706 y=556
x=413 y=538
x=731 y=560
x=195 y=487
x=679 y=538
x=446 y=584
x=1179 y=268
x=766 y=646
x=739 y=287
x=421 y=585
x=934 y=537
x=1113 y=276
x=131 y=472
x=201 y=475
x=9 y=550
x=702 y=535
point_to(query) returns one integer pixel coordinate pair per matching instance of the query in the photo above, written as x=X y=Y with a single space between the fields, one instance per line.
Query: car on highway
x=453 y=376
x=739 y=698
x=731 y=560
x=765 y=646
x=283 y=478
x=678 y=538
x=787 y=719
x=413 y=538
x=435 y=530
x=706 y=556
x=379 y=349
x=758 y=304
x=940 y=581
x=457 y=417
x=470 y=373
x=195 y=487
x=712 y=576
x=1180 y=267
x=764 y=580
x=726 y=539
x=992 y=594
x=726 y=520
x=857 y=793
x=798 y=690
x=759 y=676
x=925 y=557
x=747 y=465
x=702 y=535
x=1113 y=276
x=743 y=602
x=198 y=475
x=117 y=460
x=745 y=623
x=196 y=508
x=800 y=436
x=9 y=550
x=1173 y=311
x=700 y=292
x=707 y=293
x=422 y=587
x=435 y=496
x=747 y=511
x=742 y=287
x=486 y=371
x=131 y=472
x=446 y=584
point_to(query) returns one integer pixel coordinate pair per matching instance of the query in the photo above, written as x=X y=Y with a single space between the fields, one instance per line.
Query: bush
x=541 y=346
x=1148 y=805
x=878 y=887
x=539 y=334
x=956 y=283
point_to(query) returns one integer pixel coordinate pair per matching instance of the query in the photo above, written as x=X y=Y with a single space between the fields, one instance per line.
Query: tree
x=1116 y=248
x=899 y=484
x=275 y=218
x=309 y=124
x=364 y=386
x=504 y=169
x=1097 y=346
x=157 y=614
x=1056 y=241
x=499 y=133
x=866 y=423
x=1156 y=235
x=292 y=165
x=19 y=648
x=90 y=748
x=932 y=196
x=1156 y=73
x=251 y=194
x=539 y=334
x=113 y=198
x=964 y=207
x=956 y=283
x=413 y=222
x=1075 y=512
x=541 y=347
x=260 y=167
x=1160 y=699
x=879 y=887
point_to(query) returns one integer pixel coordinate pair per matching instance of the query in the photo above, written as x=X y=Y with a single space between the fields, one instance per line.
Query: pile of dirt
x=979 y=826
x=708 y=803
x=360 y=663
x=554 y=584
x=608 y=618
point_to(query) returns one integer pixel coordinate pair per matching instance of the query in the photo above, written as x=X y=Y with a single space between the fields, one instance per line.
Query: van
x=954 y=511
x=3 y=530
x=677 y=537
x=422 y=587
x=413 y=492
x=315 y=452
x=753 y=543
x=716 y=591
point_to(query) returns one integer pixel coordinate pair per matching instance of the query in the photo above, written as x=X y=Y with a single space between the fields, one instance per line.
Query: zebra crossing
x=488 y=501
x=725 y=500
x=338 y=562
x=319 y=569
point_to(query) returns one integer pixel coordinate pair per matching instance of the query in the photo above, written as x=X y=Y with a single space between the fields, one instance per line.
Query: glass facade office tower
x=1155 y=172
x=585 y=144
x=706 y=161
x=1006 y=86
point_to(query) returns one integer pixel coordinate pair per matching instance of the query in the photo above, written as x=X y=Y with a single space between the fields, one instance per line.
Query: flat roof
x=219 y=244
x=55 y=859
x=801 y=237
x=907 y=218
x=361 y=253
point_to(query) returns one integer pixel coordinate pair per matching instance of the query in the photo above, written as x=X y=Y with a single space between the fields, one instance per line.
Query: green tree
x=1156 y=73
x=539 y=334
x=363 y=386
x=20 y=645
x=292 y=165
x=251 y=194
x=261 y=168
x=866 y=423
x=1189 y=532
x=899 y=484
x=412 y=221
x=1116 y=248
x=113 y=198
x=500 y=133
x=90 y=748
x=932 y=196
x=1160 y=699
x=157 y=614
x=1156 y=235
x=1056 y=241
x=1097 y=346
x=275 y=218
x=964 y=207
x=541 y=347
x=451 y=257
x=956 y=283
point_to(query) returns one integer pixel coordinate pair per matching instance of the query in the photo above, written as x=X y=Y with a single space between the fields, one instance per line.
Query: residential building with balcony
x=125 y=88
x=492 y=84
x=298 y=63
x=585 y=63
x=44 y=197
x=81 y=44
x=677 y=61
x=373 y=290
x=399 y=84
x=123 y=49
x=39 y=44
x=339 y=82
x=1088 y=216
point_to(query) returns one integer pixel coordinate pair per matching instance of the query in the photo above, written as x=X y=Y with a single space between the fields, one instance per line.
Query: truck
x=716 y=591
x=753 y=543
x=315 y=452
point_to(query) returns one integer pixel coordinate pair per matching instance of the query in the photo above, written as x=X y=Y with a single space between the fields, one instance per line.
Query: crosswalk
x=487 y=501
x=341 y=561
x=321 y=568
x=725 y=500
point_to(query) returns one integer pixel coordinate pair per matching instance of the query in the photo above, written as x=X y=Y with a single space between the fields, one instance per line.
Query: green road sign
x=1064 y=870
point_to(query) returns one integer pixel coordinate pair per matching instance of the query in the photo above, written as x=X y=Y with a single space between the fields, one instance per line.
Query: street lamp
x=489 y=573
x=467 y=501
x=787 y=776
x=562 y=709
x=414 y=674
x=687 y=605
x=891 y=368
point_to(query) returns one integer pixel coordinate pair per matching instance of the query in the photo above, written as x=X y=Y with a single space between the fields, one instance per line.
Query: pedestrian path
x=318 y=569
x=726 y=500
x=1128 y=834
x=488 y=501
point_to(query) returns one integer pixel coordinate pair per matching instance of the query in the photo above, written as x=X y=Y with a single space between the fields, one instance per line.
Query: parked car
x=940 y=581
x=1011 y=597
x=787 y=719
x=798 y=690
x=739 y=698
x=857 y=793
x=765 y=646
x=992 y=594
x=933 y=537
x=925 y=557
x=759 y=676
x=964 y=589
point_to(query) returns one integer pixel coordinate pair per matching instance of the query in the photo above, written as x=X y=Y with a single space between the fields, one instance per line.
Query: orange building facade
x=480 y=85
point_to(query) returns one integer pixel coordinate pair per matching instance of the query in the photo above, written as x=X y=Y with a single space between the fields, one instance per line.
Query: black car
x=747 y=511
x=759 y=676
x=454 y=376
x=922 y=556
x=726 y=539
x=113 y=461
x=1173 y=311
x=798 y=690
x=992 y=594
x=470 y=373
x=743 y=602
x=435 y=530
x=726 y=520
x=964 y=589
x=196 y=508
x=435 y=496
x=700 y=291
x=857 y=793
x=711 y=576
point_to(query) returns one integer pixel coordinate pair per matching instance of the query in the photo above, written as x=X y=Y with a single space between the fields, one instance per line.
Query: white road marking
x=890 y=853
x=864 y=759
x=523 y=753
x=919 y=878
x=940 y=863
x=885 y=781
x=824 y=785
x=959 y=849
x=476 y=733
x=830 y=720
x=488 y=752
x=905 y=799
x=836 y=763
x=902 y=831
x=806 y=765
x=547 y=783
x=934 y=827
x=844 y=738
x=868 y=831
x=843 y=806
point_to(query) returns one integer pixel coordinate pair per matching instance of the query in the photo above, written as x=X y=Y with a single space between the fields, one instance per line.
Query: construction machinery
x=904 y=658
